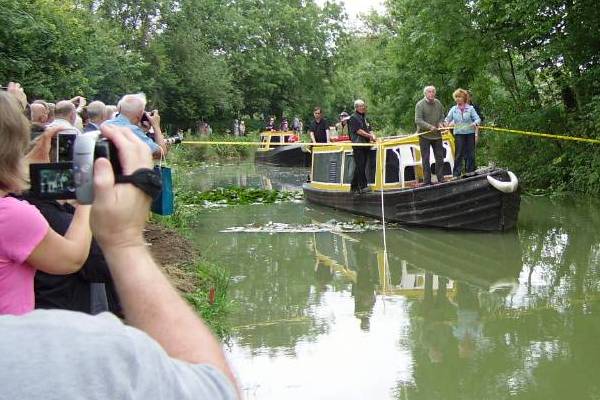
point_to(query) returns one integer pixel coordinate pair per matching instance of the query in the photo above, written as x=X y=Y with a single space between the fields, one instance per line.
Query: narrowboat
x=485 y=200
x=280 y=148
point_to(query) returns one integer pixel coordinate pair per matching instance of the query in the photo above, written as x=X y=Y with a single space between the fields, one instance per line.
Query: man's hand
x=17 y=91
x=154 y=118
x=40 y=153
x=372 y=138
x=79 y=101
x=119 y=211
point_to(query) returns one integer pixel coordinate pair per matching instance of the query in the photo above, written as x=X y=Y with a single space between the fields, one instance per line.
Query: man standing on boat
x=360 y=132
x=429 y=117
x=318 y=128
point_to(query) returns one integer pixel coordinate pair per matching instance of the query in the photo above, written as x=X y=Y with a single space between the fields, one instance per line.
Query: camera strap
x=145 y=179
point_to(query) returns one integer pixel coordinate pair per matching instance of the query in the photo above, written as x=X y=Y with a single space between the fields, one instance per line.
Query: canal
x=327 y=310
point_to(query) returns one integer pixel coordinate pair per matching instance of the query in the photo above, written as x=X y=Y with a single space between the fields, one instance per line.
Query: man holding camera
x=165 y=351
x=131 y=115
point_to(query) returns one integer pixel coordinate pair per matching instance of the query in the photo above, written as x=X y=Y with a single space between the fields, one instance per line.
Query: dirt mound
x=174 y=253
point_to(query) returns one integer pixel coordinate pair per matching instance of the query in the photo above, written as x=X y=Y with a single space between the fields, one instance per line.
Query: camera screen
x=64 y=148
x=52 y=181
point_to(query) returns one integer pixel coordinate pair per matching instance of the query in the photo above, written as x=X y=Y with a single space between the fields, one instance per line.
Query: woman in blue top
x=464 y=119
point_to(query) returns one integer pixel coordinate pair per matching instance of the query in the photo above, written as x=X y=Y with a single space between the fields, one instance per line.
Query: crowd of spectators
x=62 y=262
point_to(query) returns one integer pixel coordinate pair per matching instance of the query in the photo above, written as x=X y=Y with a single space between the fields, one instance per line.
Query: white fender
x=504 y=187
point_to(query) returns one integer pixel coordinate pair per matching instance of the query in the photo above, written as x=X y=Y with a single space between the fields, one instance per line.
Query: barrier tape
x=208 y=142
x=538 y=134
x=481 y=127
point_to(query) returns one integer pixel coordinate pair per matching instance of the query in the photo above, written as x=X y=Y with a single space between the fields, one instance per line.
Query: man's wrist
x=116 y=245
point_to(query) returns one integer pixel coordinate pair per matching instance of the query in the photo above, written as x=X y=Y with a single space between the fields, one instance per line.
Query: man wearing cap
x=342 y=126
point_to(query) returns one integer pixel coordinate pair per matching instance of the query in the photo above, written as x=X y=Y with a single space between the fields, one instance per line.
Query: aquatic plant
x=234 y=196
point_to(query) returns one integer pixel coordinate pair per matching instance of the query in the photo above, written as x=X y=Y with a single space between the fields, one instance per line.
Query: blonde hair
x=14 y=138
x=461 y=93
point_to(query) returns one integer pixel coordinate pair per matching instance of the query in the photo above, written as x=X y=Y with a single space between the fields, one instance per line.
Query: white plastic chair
x=408 y=156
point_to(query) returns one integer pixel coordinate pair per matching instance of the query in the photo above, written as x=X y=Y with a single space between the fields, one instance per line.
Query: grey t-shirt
x=55 y=354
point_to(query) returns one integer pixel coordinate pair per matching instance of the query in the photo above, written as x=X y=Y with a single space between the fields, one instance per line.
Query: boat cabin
x=398 y=166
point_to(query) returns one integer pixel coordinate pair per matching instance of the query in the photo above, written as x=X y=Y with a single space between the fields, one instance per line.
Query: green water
x=325 y=312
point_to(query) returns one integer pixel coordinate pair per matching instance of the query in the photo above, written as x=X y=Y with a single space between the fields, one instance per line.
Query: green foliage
x=235 y=196
x=530 y=64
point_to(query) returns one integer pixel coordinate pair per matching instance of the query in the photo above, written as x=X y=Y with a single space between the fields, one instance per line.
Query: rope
x=481 y=127
x=382 y=209
x=209 y=142
x=538 y=134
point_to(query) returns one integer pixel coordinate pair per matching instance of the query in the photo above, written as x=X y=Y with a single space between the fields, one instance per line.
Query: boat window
x=348 y=167
x=327 y=167
x=275 y=139
x=371 y=166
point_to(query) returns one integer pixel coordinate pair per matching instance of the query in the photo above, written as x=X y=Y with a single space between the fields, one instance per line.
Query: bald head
x=96 y=112
x=39 y=113
x=66 y=110
x=132 y=106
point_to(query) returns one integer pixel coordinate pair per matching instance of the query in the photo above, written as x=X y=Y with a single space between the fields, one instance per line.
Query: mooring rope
x=380 y=151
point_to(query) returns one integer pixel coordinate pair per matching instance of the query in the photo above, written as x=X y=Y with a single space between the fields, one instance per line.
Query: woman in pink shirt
x=26 y=241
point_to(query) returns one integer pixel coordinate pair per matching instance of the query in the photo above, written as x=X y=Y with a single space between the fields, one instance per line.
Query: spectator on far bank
x=96 y=113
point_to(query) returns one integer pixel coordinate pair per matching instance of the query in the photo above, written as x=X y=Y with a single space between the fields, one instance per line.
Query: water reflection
x=440 y=315
x=248 y=174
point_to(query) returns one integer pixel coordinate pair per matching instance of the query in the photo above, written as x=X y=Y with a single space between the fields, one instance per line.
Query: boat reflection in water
x=430 y=268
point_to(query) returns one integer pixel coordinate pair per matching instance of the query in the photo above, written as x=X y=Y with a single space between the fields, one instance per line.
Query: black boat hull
x=470 y=203
x=286 y=156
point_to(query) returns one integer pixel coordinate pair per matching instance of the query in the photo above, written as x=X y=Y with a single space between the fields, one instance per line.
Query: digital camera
x=74 y=179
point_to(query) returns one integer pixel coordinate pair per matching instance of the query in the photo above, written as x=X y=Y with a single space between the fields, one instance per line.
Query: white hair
x=64 y=109
x=358 y=102
x=96 y=109
x=427 y=89
x=132 y=103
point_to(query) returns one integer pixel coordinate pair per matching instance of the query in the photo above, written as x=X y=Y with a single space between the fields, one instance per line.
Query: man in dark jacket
x=96 y=112
x=360 y=132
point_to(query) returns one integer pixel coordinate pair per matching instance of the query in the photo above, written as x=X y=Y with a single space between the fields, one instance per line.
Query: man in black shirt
x=360 y=132
x=318 y=128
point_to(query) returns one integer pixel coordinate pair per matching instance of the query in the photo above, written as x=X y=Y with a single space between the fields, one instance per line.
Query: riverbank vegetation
x=202 y=283
x=531 y=65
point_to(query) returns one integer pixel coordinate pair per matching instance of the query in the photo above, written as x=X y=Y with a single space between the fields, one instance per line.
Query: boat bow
x=504 y=187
